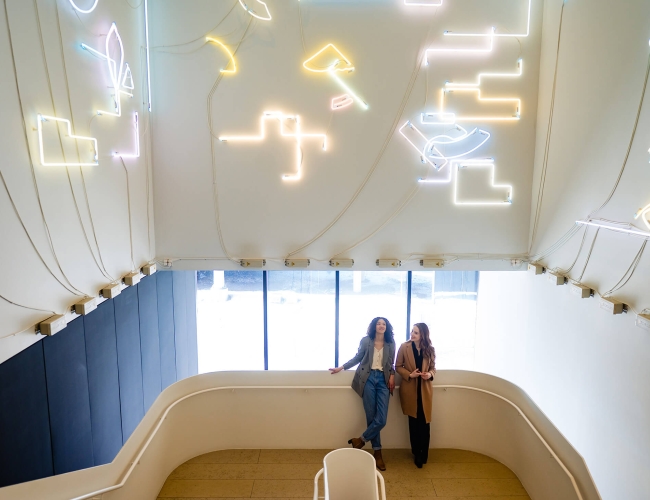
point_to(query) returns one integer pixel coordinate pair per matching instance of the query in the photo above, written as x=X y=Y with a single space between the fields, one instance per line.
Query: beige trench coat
x=408 y=389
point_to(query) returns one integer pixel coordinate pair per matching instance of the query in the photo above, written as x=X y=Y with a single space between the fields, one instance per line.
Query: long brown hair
x=425 y=346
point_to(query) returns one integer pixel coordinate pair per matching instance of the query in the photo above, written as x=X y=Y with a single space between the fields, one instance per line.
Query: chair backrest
x=350 y=475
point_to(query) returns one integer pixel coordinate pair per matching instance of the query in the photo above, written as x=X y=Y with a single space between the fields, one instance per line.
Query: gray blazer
x=364 y=360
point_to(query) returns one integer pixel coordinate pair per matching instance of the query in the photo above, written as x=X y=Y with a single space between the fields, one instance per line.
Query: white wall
x=261 y=215
x=586 y=369
x=24 y=278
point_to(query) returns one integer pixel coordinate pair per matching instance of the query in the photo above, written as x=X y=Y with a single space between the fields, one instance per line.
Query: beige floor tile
x=410 y=488
x=292 y=456
x=246 y=471
x=183 y=488
x=479 y=470
x=500 y=497
x=445 y=455
x=279 y=488
x=227 y=457
x=477 y=487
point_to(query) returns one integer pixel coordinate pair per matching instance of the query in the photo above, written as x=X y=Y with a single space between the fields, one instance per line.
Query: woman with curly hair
x=416 y=363
x=374 y=381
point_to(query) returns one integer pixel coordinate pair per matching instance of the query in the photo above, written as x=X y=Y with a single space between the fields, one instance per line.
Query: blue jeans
x=375 y=403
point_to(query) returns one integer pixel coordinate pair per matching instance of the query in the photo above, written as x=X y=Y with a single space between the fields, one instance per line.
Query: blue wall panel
x=149 y=341
x=25 y=446
x=166 y=328
x=68 y=397
x=129 y=359
x=103 y=383
x=190 y=294
x=180 y=325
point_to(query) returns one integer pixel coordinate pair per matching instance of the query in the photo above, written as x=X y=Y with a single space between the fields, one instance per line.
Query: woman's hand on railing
x=336 y=370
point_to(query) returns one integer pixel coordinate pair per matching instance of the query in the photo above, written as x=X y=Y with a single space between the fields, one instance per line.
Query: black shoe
x=418 y=461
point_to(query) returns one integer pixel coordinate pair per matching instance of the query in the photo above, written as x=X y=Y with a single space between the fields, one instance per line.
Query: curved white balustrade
x=472 y=411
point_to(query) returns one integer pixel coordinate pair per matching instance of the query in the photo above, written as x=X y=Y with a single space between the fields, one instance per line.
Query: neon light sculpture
x=127 y=81
x=514 y=117
x=520 y=35
x=298 y=135
x=137 y=141
x=483 y=50
x=84 y=11
x=470 y=164
x=614 y=226
x=342 y=101
x=520 y=68
x=116 y=71
x=644 y=213
x=230 y=54
x=43 y=118
x=331 y=60
x=253 y=13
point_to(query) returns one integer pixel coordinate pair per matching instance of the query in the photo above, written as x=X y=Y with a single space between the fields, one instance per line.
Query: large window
x=365 y=295
x=230 y=320
x=446 y=302
x=313 y=320
x=301 y=322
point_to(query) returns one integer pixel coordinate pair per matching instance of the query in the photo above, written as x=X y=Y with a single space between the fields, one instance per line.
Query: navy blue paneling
x=192 y=347
x=25 y=446
x=149 y=341
x=129 y=360
x=166 y=328
x=103 y=383
x=180 y=325
x=67 y=389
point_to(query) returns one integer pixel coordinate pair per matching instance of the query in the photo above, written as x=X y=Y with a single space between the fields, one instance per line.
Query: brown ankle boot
x=357 y=443
x=379 y=460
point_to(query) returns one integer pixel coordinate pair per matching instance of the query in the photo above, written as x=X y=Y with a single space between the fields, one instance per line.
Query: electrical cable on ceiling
x=24 y=306
x=302 y=33
x=630 y=271
x=128 y=199
x=568 y=270
x=213 y=137
x=542 y=182
x=69 y=285
x=136 y=6
x=591 y=249
x=100 y=265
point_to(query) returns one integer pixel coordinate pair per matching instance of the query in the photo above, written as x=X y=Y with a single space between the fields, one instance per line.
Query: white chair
x=350 y=474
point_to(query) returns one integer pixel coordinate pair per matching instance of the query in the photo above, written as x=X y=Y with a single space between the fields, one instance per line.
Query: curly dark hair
x=388 y=335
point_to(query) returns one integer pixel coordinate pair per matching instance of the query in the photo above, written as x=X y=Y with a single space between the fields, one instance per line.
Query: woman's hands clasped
x=417 y=373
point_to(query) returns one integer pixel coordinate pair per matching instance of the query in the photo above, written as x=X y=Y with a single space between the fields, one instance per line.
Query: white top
x=377 y=359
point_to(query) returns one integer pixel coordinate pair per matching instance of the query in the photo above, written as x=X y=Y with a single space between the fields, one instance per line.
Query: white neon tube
x=630 y=229
x=127 y=81
x=40 y=119
x=420 y=3
x=137 y=141
x=298 y=135
x=84 y=11
x=480 y=164
x=520 y=66
x=358 y=99
x=483 y=50
x=516 y=116
x=146 y=34
x=451 y=33
x=253 y=13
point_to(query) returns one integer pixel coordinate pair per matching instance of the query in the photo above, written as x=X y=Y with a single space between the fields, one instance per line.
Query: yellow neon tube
x=230 y=54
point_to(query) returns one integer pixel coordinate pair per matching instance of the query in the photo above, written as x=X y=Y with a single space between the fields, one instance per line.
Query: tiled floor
x=289 y=474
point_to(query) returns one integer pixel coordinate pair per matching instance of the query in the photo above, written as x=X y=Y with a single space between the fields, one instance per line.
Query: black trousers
x=420 y=431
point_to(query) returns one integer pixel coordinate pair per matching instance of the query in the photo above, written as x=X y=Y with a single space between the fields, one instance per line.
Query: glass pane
x=230 y=321
x=301 y=319
x=365 y=295
x=446 y=302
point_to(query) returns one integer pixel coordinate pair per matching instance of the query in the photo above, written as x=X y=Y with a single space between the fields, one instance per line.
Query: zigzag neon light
x=84 y=11
x=479 y=164
x=137 y=141
x=457 y=118
x=116 y=76
x=253 y=13
x=40 y=120
x=230 y=54
x=297 y=134
x=451 y=33
x=644 y=213
x=484 y=50
x=520 y=67
x=331 y=67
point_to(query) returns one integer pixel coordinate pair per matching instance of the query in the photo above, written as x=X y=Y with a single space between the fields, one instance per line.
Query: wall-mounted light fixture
x=252 y=263
x=472 y=164
x=342 y=263
x=42 y=118
x=300 y=263
x=388 y=263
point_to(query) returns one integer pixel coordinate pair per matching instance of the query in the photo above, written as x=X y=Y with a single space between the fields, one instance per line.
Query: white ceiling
x=262 y=215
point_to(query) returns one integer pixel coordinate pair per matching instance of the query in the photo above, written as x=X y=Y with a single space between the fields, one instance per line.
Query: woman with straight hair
x=374 y=381
x=416 y=363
